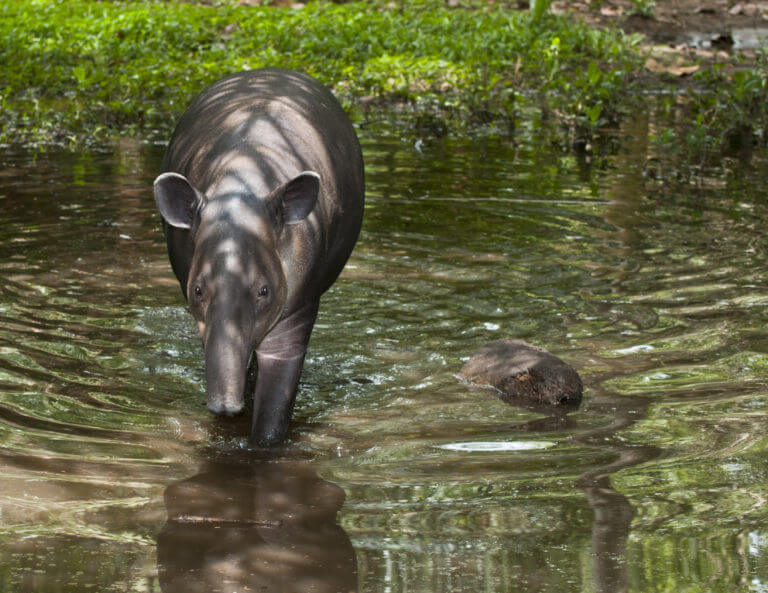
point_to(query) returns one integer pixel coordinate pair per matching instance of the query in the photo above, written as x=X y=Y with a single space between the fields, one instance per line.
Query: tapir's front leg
x=280 y=357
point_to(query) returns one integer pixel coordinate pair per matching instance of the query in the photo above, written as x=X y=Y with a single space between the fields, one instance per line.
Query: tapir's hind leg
x=280 y=357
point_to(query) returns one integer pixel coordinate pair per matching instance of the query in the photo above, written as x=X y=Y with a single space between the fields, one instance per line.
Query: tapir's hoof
x=519 y=370
x=226 y=409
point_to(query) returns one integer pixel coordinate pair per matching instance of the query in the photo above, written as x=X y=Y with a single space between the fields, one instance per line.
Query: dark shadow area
x=611 y=523
x=255 y=525
x=553 y=420
x=612 y=510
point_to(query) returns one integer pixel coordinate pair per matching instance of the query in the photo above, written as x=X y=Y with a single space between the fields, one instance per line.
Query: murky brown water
x=397 y=478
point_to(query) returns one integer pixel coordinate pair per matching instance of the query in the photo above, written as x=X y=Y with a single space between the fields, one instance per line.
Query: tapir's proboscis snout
x=262 y=202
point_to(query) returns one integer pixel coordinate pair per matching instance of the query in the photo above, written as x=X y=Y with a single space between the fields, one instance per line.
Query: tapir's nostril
x=221 y=408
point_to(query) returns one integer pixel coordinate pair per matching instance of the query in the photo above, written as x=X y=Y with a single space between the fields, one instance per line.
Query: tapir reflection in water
x=262 y=203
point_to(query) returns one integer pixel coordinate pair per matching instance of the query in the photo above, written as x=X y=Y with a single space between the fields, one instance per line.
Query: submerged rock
x=521 y=370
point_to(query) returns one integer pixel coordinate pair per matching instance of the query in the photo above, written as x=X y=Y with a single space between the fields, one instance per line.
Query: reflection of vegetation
x=744 y=367
x=700 y=508
x=724 y=562
x=85 y=68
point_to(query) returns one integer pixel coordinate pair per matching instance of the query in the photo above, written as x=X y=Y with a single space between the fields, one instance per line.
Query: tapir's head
x=236 y=287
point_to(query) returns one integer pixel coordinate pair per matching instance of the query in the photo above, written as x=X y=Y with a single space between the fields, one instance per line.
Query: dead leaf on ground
x=611 y=11
x=654 y=65
x=749 y=9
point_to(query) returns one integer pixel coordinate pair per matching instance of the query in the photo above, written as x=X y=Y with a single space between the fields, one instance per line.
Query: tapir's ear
x=176 y=199
x=295 y=199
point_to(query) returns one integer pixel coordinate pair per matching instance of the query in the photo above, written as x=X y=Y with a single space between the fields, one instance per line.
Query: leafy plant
x=643 y=8
x=733 y=108
x=88 y=70
x=539 y=8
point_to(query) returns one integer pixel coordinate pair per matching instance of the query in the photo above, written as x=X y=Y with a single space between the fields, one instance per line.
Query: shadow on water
x=612 y=510
x=254 y=525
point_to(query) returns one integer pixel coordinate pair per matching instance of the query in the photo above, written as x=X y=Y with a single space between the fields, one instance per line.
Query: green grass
x=76 y=71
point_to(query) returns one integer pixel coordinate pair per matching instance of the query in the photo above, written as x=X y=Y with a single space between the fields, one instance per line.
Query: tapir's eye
x=198 y=291
x=264 y=291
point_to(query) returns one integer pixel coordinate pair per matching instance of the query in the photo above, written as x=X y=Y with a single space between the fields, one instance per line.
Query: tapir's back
x=279 y=123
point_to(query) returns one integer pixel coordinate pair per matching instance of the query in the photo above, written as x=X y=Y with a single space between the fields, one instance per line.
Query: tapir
x=262 y=201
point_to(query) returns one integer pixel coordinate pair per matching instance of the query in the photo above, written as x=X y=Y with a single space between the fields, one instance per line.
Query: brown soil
x=683 y=33
x=673 y=20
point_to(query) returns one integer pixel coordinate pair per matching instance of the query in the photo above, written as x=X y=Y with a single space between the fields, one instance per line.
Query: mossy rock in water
x=520 y=370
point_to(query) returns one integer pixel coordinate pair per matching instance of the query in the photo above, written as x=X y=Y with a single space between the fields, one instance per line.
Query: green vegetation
x=538 y=9
x=83 y=70
x=643 y=8
x=733 y=111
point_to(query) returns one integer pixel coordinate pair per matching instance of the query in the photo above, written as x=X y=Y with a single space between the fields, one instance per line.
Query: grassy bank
x=78 y=70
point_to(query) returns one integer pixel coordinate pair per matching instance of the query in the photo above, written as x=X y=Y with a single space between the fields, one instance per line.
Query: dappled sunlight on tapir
x=262 y=203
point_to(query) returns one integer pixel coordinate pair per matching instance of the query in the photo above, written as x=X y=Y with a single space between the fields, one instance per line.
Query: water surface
x=398 y=477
